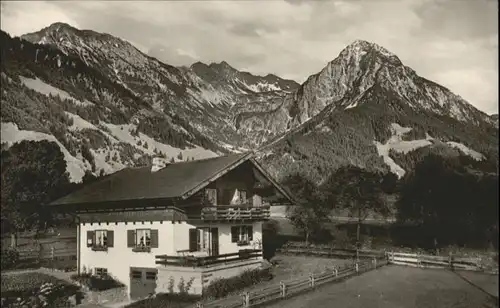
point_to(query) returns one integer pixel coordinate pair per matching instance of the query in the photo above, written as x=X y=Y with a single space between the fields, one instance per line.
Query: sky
x=452 y=42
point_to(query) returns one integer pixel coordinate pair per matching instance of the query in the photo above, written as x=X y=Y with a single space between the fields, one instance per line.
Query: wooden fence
x=427 y=261
x=287 y=289
x=190 y=261
x=328 y=251
x=46 y=255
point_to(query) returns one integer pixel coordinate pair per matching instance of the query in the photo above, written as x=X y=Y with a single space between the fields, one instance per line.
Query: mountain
x=108 y=105
x=494 y=117
x=366 y=108
x=195 y=94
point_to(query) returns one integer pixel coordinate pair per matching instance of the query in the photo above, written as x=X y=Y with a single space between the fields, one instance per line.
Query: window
x=150 y=275
x=199 y=239
x=241 y=234
x=99 y=271
x=136 y=274
x=211 y=195
x=242 y=194
x=142 y=239
x=100 y=240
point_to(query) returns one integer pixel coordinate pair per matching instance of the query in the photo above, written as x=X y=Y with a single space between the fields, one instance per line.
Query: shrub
x=10 y=258
x=223 y=286
x=96 y=283
x=36 y=290
x=342 y=239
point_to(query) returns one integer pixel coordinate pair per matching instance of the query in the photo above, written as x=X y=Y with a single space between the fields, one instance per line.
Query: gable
x=248 y=175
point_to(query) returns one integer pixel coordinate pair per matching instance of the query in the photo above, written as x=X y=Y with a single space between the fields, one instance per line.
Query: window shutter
x=111 y=238
x=130 y=238
x=250 y=233
x=90 y=238
x=154 y=238
x=193 y=239
x=235 y=234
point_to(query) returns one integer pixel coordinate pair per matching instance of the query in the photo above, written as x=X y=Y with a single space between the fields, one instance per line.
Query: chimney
x=158 y=163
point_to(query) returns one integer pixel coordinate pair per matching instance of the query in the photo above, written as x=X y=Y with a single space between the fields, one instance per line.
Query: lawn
x=398 y=287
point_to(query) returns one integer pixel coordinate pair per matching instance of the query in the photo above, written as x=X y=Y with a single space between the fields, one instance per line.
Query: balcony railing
x=231 y=213
x=191 y=261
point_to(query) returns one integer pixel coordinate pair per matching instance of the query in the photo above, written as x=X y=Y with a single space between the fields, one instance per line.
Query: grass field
x=399 y=287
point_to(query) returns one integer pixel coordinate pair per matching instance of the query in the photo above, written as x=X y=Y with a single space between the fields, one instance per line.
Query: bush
x=223 y=286
x=36 y=290
x=10 y=258
x=46 y=295
x=96 y=283
x=342 y=239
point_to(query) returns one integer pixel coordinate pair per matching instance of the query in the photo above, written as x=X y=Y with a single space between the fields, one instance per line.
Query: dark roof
x=173 y=181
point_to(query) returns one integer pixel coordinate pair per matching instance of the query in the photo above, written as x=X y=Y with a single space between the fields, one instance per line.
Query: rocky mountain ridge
x=104 y=97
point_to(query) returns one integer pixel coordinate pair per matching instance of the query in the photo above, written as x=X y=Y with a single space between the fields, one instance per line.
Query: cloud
x=443 y=40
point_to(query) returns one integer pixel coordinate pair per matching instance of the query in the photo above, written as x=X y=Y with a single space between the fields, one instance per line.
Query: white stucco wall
x=171 y=238
x=119 y=258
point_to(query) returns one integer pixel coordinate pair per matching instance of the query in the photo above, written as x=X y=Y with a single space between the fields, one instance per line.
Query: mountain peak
x=60 y=25
x=359 y=48
x=222 y=66
x=362 y=45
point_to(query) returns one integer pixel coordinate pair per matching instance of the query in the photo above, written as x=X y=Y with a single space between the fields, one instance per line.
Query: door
x=142 y=282
x=215 y=241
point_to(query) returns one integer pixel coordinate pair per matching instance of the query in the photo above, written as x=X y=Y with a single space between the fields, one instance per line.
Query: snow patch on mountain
x=123 y=133
x=11 y=134
x=79 y=123
x=399 y=145
x=466 y=150
x=46 y=89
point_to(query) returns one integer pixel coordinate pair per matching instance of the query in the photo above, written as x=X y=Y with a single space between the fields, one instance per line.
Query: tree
x=452 y=202
x=310 y=212
x=358 y=191
x=33 y=174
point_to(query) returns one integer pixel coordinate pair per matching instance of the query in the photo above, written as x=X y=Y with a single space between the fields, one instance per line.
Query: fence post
x=246 y=299
x=418 y=260
x=52 y=255
x=311 y=280
x=450 y=261
x=283 y=289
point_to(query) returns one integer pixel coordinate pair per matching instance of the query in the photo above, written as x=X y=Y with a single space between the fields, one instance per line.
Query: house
x=153 y=228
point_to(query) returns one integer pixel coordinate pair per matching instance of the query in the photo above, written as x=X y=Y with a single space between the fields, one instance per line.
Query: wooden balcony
x=232 y=213
x=192 y=261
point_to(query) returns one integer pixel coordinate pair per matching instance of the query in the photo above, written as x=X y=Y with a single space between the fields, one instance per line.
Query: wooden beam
x=133 y=216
